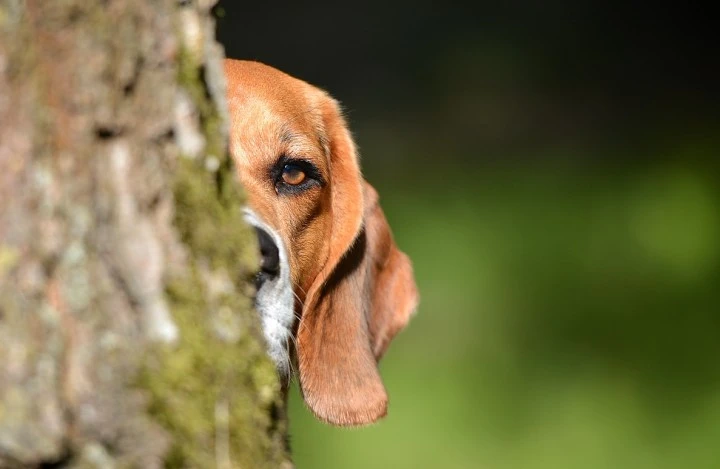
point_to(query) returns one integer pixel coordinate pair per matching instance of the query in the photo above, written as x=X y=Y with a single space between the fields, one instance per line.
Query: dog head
x=332 y=280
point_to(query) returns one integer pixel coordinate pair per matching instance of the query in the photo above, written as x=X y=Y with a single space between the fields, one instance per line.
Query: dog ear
x=394 y=294
x=362 y=297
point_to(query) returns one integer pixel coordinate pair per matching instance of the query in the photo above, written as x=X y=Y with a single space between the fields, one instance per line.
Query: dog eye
x=293 y=175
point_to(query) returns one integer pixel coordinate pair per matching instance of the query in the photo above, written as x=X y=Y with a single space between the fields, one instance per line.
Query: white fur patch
x=275 y=303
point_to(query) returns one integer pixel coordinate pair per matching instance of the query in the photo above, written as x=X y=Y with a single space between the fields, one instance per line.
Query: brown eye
x=293 y=175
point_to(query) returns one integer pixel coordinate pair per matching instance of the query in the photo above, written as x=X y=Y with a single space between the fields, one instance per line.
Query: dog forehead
x=270 y=111
x=261 y=91
x=255 y=127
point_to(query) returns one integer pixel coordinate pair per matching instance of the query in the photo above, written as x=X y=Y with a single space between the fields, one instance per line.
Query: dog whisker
x=293 y=372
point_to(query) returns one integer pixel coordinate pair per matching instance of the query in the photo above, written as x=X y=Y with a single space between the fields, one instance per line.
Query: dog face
x=332 y=280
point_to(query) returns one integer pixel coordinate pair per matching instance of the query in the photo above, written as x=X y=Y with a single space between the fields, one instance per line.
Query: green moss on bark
x=215 y=392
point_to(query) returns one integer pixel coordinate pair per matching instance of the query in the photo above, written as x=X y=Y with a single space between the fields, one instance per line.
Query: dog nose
x=270 y=260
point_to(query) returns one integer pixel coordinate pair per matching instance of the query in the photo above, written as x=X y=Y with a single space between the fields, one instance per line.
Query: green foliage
x=568 y=318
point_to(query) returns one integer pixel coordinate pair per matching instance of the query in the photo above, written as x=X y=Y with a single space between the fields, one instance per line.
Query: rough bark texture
x=126 y=333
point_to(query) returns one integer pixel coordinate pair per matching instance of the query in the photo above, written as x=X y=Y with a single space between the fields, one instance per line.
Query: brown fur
x=355 y=288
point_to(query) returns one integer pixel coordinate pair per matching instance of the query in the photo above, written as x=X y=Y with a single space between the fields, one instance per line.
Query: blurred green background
x=552 y=170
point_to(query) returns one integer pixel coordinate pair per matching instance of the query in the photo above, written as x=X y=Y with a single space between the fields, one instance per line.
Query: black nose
x=270 y=262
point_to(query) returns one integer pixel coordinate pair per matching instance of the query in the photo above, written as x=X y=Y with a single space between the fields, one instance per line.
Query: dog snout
x=270 y=257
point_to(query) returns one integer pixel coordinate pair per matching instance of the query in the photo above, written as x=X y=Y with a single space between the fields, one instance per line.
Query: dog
x=332 y=281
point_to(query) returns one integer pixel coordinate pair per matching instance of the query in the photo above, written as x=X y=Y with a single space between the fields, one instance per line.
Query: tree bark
x=127 y=336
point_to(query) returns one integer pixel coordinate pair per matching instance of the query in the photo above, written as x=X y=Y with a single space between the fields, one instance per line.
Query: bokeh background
x=552 y=170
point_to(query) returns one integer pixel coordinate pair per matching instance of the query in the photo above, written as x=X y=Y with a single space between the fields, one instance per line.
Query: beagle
x=332 y=282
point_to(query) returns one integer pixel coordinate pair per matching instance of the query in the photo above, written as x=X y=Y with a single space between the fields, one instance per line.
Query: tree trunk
x=127 y=337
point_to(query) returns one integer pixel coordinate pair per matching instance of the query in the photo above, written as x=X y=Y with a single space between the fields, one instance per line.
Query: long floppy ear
x=394 y=294
x=362 y=297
